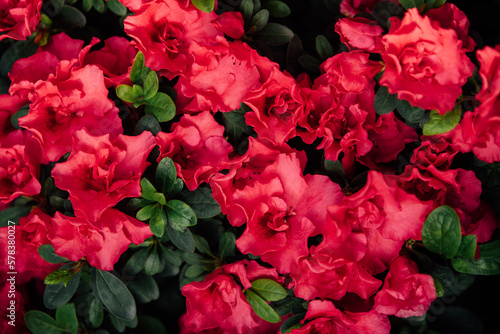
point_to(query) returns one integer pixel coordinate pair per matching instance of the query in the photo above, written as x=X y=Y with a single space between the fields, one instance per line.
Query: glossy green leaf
x=411 y=3
x=147 y=123
x=72 y=18
x=161 y=106
x=13 y=214
x=235 y=126
x=202 y=202
x=467 y=246
x=158 y=221
x=180 y=215
x=260 y=20
x=99 y=5
x=193 y=271
x=246 y=9
x=292 y=323
x=144 y=288
x=269 y=290
x=48 y=253
x=442 y=232
x=139 y=71
x=439 y=124
x=151 y=85
x=227 y=243
x=56 y=295
x=152 y=263
x=277 y=8
x=166 y=175
x=487 y=264
x=384 y=102
x=408 y=112
x=57 y=276
x=125 y=93
x=182 y=240
x=96 y=313
x=66 y=318
x=261 y=307
x=112 y=294
x=275 y=34
x=206 y=6
x=136 y=262
x=116 y=7
x=323 y=47
x=146 y=212
x=148 y=191
x=39 y=322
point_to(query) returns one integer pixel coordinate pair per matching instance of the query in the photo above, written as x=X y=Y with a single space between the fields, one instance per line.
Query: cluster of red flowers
x=341 y=249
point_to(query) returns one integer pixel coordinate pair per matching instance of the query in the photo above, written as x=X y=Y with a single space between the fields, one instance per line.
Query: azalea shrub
x=248 y=166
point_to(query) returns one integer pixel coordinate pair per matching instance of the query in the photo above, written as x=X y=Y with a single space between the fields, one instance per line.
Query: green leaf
x=47 y=253
x=275 y=34
x=57 y=276
x=144 y=288
x=202 y=202
x=172 y=258
x=277 y=8
x=136 y=262
x=310 y=63
x=323 y=47
x=72 y=18
x=139 y=71
x=20 y=113
x=39 y=322
x=56 y=295
x=441 y=232
x=125 y=93
x=269 y=290
x=148 y=191
x=227 y=243
x=292 y=323
x=246 y=9
x=116 y=7
x=96 y=313
x=438 y=3
x=66 y=317
x=193 y=271
x=152 y=264
x=18 y=50
x=54 y=7
x=384 y=102
x=408 y=112
x=407 y=4
x=166 y=175
x=161 y=106
x=87 y=5
x=261 y=307
x=146 y=212
x=147 y=123
x=180 y=215
x=182 y=240
x=438 y=124
x=235 y=126
x=202 y=245
x=206 y=6
x=13 y=214
x=487 y=264
x=158 y=221
x=467 y=246
x=99 y=5
x=259 y=20
x=112 y=294
x=150 y=85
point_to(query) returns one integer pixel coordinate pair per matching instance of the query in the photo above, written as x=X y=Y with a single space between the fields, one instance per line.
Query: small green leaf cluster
x=260 y=293
x=442 y=234
x=422 y=5
x=101 y=6
x=144 y=91
x=257 y=26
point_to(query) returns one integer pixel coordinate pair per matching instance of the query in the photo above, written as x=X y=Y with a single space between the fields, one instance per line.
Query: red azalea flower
x=218 y=305
x=19 y=18
x=406 y=292
x=20 y=158
x=425 y=63
x=71 y=100
x=100 y=242
x=323 y=317
x=99 y=172
x=359 y=33
x=197 y=146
